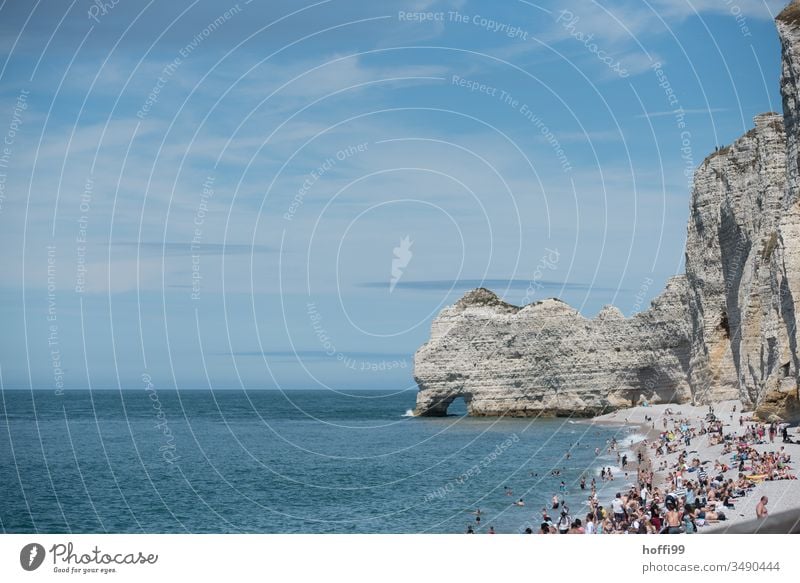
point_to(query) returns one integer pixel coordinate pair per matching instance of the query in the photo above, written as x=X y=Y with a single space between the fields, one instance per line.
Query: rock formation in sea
x=546 y=358
x=726 y=329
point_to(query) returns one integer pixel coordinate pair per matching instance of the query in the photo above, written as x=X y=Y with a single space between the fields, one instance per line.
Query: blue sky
x=222 y=190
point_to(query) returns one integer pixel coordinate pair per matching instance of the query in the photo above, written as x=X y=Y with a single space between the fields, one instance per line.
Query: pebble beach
x=783 y=495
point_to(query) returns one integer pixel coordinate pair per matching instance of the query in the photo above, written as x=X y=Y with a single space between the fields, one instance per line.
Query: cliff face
x=780 y=395
x=736 y=205
x=727 y=329
x=546 y=358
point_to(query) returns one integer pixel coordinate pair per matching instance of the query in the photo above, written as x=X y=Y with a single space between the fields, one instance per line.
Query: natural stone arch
x=438 y=406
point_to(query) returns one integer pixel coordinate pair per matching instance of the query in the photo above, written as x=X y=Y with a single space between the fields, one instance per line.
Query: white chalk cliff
x=727 y=329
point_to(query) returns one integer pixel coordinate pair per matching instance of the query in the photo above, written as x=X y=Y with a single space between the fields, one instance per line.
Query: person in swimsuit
x=673 y=519
x=761 y=508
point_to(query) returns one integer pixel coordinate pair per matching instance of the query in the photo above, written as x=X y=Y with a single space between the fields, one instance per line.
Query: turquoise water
x=271 y=462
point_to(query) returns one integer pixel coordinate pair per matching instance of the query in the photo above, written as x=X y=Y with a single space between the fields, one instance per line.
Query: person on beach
x=590 y=528
x=576 y=527
x=688 y=519
x=605 y=527
x=655 y=518
x=702 y=477
x=673 y=519
x=601 y=513
x=564 y=523
x=618 y=509
x=761 y=508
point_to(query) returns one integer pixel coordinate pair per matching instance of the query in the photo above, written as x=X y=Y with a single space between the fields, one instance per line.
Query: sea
x=302 y=461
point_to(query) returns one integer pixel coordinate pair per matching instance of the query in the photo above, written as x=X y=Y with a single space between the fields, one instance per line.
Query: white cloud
x=671 y=112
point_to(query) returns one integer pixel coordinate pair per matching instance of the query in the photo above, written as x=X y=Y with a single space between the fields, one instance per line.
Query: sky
x=283 y=195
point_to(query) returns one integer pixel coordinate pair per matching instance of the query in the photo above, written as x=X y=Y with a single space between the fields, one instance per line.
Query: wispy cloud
x=624 y=30
x=495 y=284
x=698 y=111
x=316 y=354
x=172 y=248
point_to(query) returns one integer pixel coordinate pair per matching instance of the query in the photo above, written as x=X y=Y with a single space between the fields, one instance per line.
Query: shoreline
x=784 y=495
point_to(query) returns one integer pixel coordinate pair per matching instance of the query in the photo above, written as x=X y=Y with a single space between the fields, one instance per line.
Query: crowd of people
x=692 y=493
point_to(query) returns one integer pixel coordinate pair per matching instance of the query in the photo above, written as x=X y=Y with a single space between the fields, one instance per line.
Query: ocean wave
x=632 y=439
x=408 y=413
